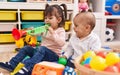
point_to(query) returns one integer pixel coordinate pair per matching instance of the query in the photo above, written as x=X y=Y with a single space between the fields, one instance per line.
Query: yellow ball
x=89 y=54
x=112 y=58
x=98 y=63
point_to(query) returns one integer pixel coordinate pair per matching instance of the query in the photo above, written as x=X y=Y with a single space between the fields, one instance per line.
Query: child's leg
x=27 y=50
x=70 y=64
x=43 y=54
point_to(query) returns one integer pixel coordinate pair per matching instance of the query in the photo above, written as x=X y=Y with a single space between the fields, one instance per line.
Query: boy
x=83 y=39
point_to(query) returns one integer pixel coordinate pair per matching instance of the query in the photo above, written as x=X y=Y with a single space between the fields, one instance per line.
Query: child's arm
x=69 y=51
x=57 y=36
x=95 y=44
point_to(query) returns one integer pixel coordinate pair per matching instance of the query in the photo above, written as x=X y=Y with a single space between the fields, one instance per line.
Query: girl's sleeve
x=59 y=37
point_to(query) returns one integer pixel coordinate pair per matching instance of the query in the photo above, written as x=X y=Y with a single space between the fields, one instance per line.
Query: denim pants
x=42 y=54
x=70 y=63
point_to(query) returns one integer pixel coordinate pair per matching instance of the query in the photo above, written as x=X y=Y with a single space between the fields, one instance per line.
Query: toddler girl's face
x=52 y=20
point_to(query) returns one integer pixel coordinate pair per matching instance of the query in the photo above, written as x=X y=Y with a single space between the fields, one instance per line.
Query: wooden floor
x=6 y=53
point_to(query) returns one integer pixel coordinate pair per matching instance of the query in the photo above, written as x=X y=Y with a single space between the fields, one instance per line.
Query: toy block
x=48 y=68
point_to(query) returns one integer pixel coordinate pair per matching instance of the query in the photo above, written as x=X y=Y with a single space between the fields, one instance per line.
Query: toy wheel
x=116 y=7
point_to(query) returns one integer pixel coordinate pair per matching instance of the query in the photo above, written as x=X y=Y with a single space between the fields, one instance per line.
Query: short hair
x=86 y=18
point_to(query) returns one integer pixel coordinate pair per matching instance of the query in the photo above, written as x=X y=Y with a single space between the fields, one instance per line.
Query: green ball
x=62 y=61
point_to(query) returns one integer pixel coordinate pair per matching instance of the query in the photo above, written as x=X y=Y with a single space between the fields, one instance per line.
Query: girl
x=51 y=45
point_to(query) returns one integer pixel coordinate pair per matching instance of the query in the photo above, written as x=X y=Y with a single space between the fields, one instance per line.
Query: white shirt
x=78 y=46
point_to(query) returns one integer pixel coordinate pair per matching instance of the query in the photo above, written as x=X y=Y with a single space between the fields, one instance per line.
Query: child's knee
x=42 y=49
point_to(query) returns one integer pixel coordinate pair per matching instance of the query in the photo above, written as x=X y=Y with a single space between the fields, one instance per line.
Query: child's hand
x=63 y=56
x=51 y=30
x=33 y=34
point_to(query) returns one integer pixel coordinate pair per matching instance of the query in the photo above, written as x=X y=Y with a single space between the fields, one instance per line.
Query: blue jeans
x=42 y=54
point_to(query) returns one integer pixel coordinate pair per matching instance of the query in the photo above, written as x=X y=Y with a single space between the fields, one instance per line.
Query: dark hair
x=58 y=11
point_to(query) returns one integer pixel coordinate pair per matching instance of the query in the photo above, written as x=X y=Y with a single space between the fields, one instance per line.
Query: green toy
x=17 y=34
x=62 y=61
x=38 y=30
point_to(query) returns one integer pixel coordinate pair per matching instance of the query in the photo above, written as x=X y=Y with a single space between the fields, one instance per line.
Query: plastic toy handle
x=38 y=30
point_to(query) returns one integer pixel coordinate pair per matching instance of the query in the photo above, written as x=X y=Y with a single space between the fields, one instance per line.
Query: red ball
x=87 y=65
x=101 y=54
x=111 y=69
x=118 y=66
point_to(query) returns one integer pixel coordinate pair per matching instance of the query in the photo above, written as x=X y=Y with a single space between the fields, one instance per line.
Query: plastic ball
x=82 y=63
x=89 y=54
x=109 y=34
x=87 y=61
x=87 y=65
x=102 y=54
x=62 y=61
x=117 y=65
x=98 y=63
x=111 y=69
x=112 y=58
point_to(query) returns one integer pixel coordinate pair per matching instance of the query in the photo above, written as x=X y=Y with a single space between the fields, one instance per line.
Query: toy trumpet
x=17 y=34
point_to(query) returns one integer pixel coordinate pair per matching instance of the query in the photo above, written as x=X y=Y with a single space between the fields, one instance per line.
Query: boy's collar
x=86 y=37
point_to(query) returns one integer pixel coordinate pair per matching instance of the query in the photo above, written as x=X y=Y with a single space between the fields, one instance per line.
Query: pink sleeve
x=59 y=37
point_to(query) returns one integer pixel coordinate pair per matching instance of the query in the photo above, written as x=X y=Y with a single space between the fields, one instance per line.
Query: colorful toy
x=26 y=40
x=62 y=61
x=113 y=7
x=117 y=65
x=109 y=34
x=112 y=58
x=87 y=65
x=69 y=71
x=89 y=53
x=102 y=54
x=87 y=61
x=83 y=5
x=19 y=66
x=48 y=68
x=17 y=34
x=111 y=69
x=98 y=63
x=23 y=37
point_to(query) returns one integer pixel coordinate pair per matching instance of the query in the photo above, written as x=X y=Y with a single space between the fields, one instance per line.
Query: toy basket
x=81 y=70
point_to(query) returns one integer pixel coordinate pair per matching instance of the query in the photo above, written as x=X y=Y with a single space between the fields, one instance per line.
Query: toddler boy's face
x=80 y=29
